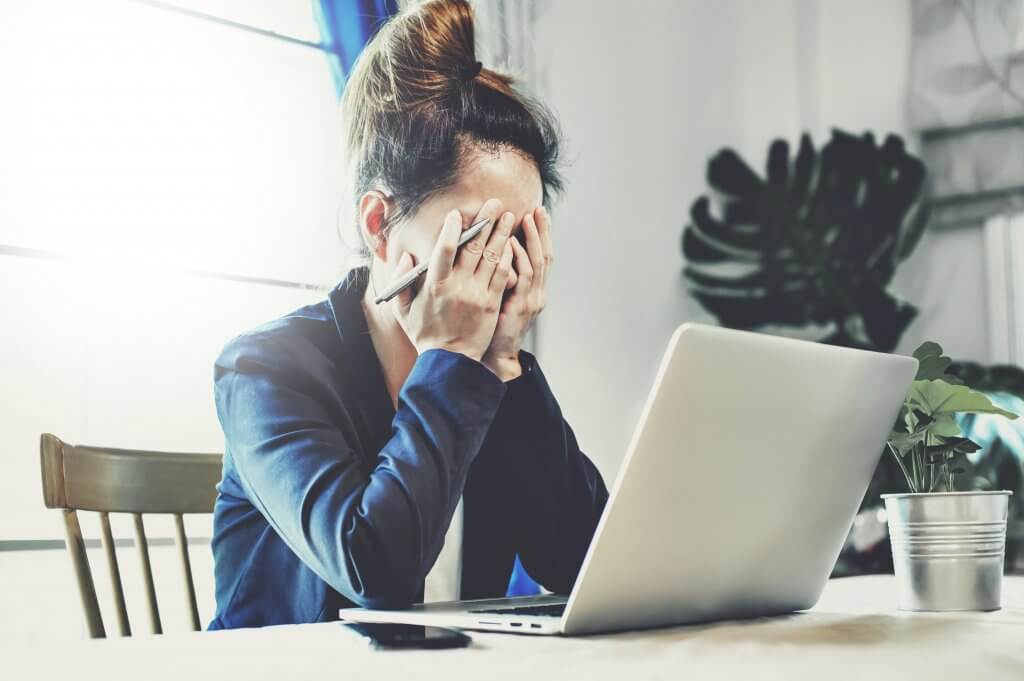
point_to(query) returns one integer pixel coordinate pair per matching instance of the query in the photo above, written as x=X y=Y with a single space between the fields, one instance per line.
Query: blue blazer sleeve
x=369 y=529
x=560 y=493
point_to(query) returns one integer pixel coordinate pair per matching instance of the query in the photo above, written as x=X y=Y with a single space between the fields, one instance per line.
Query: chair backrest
x=106 y=480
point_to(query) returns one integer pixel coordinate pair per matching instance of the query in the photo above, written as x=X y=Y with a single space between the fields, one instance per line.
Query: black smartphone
x=391 y=636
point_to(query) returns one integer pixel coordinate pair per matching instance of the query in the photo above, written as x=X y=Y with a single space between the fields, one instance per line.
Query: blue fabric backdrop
x=345 y=28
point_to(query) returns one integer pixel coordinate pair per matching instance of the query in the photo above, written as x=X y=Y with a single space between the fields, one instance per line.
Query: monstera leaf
x=816 y=242
x=1000 y=378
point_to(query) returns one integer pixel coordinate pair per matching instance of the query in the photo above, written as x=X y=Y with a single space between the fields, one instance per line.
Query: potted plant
x=948 y=546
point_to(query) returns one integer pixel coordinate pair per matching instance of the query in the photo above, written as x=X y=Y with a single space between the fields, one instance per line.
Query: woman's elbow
x=383 y=601
x=379 y=582
x=384 y=595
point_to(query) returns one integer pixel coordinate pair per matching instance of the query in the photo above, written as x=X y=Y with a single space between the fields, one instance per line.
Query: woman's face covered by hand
x=502 y=174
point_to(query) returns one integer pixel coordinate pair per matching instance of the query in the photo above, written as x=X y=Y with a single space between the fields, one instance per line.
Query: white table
x=854 y=632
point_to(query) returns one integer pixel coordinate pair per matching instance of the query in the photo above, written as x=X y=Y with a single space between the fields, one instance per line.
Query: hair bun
x=438 y=36
x=418 y=100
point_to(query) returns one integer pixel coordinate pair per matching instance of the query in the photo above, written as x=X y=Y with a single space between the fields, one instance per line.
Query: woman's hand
x=527 y=298
x=456 y=308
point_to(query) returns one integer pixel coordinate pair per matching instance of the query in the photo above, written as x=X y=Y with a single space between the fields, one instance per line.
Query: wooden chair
x=80 y=478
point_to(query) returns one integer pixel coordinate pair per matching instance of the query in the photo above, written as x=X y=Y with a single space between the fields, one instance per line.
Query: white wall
x=854 y=59
x=646 y=92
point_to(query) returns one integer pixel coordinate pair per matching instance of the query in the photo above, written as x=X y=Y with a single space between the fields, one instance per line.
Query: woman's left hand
x=527 y=298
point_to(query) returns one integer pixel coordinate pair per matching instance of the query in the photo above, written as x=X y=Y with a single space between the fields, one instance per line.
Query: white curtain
x=505 y=30
x=967 y=103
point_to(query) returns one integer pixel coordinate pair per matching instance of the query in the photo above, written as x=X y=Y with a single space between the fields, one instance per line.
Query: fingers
x=534 y=247
x=494 y=251
x=443 y=258
x=501 y=273
x=402 y=301
x=470 y=254
x=523 y=269
x=544 y=229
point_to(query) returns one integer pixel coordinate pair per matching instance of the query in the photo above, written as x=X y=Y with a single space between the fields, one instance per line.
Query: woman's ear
x=374 y=212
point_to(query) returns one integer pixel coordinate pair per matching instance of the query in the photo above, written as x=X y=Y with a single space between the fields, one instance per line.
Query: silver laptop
x=737 y=491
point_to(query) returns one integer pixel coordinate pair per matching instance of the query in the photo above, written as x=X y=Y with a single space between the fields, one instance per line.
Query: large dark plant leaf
x=999 y=378
x=816 y=241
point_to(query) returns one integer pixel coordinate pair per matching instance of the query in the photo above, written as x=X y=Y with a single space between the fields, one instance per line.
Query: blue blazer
x=331 y=497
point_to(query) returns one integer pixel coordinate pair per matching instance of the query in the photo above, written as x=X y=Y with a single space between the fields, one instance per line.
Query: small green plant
x=927 y=441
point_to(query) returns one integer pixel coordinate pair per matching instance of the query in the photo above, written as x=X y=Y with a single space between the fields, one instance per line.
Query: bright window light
x=141 y=132
x=139 y=144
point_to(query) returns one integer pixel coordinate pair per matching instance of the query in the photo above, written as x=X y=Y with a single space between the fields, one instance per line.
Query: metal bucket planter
x=948 y=549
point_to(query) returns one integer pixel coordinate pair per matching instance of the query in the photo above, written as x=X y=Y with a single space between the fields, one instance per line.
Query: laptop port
x=516 y=624
x=535 y=626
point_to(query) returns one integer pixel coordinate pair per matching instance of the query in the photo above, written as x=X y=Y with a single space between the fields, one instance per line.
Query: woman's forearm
x=371 y=537
x=560 y=493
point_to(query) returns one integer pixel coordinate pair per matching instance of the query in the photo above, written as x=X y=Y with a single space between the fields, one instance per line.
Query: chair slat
x=147 y=574
x=83 y=575
x=107 y=539
x=186 y=570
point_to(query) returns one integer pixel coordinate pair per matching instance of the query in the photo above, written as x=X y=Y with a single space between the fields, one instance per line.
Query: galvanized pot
x=948 y=548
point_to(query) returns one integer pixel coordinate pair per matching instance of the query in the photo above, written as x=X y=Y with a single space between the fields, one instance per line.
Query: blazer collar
x=346 y=304
x=357 y=363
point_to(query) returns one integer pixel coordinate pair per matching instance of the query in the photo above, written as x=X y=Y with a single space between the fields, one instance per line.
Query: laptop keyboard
x=555 y=610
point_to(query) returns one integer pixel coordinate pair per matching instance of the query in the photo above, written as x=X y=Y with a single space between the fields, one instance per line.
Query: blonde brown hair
x=418 y=99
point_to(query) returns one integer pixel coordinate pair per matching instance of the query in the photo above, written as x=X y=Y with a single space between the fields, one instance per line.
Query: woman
x=358 y=436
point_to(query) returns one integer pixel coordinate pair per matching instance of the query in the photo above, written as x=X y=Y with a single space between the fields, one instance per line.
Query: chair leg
x=83 y=575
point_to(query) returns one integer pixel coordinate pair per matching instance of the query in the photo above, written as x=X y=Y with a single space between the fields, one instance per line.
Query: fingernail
x=507 y=219
x=455 y=214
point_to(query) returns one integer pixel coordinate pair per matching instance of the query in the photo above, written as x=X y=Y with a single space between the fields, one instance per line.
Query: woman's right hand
x=456 y=307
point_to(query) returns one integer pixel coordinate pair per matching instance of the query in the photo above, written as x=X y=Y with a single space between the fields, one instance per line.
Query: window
x=166 y=182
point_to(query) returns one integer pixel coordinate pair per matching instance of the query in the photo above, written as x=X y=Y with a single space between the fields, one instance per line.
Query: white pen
x=414 y=274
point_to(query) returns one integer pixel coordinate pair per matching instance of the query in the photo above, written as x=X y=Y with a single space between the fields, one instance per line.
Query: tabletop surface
x=854 y=632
